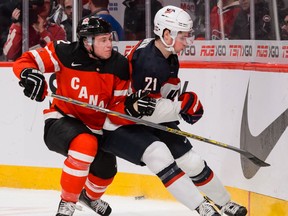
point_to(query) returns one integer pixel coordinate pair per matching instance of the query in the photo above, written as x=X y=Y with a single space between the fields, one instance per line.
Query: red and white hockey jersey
x=98 y=82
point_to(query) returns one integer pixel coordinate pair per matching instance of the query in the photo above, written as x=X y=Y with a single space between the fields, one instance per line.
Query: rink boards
x=245 y=106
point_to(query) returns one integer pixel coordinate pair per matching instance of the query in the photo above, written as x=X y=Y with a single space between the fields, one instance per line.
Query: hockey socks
x=160 y=161
x=82 y=151
x=181 y=186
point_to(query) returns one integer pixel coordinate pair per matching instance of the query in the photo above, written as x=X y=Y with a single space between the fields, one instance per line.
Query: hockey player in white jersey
x=154 y=67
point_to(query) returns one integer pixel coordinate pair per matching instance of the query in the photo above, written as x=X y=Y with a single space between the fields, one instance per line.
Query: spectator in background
x=85 y=4
x=199 y=20
x=100 y=8
x=241 y=27
x=284 y=28
x=134 y=18
x=283 y=19
x=57 y=13
x=41 y=31
x=67 y=23
x=222 y=18
x=62 y=15
x=6 y=8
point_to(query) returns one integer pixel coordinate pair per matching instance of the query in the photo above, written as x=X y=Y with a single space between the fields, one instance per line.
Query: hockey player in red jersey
x=154 y=66
x=92 y=72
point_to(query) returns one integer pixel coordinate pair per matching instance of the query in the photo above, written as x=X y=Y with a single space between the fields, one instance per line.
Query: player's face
x=103 y=46
x=182 y=40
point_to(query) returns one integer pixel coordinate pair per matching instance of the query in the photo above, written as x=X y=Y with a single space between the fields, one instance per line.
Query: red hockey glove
x=145 y=105
x=35 y=86
x=191 y=108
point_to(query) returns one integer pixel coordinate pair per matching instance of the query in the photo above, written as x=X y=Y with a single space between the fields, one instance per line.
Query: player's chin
x=180 y=49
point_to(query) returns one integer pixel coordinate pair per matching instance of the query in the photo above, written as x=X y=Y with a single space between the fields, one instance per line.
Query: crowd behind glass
x=213 y=20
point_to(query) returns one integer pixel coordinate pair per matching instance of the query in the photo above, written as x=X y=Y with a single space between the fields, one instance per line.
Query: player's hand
x=35 y=86
x=16 y=15
x=191 y=108
x=139 y=104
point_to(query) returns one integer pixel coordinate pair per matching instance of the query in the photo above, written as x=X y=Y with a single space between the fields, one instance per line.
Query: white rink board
x=222 y=93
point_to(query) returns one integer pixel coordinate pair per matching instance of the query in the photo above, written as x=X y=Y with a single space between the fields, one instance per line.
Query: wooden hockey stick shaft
x=247 y=154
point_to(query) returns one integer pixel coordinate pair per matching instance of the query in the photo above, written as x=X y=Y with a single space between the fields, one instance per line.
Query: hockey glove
x=35 y=86
x=191 y=108
x=139 y=104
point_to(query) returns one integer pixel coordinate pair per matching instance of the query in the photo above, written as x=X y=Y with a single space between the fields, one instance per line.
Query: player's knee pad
x=82 y=151
x=191 y=163
x=84 y=147
x=157 y=157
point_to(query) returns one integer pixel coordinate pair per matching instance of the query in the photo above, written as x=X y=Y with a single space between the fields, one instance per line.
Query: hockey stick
x=247 y=154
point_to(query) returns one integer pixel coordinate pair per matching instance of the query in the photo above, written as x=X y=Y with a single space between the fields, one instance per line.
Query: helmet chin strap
x=169 y=48
x=91 y=42
x=93 y=53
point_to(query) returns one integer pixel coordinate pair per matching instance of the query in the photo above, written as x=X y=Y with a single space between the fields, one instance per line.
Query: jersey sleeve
x=12 y=47
x=121 y=87
x=42 y=59
x=117 y=103
x=171 y=88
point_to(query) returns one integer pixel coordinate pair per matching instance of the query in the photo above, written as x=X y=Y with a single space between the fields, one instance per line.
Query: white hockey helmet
x=173 y=18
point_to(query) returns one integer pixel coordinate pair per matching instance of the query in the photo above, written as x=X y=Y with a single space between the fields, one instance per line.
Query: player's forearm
x=25 y=61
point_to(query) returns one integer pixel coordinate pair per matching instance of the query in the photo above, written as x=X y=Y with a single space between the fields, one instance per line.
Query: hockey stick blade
x=246 y=154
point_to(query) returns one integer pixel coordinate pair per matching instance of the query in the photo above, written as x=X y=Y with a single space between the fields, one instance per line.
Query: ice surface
x=23 y=202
